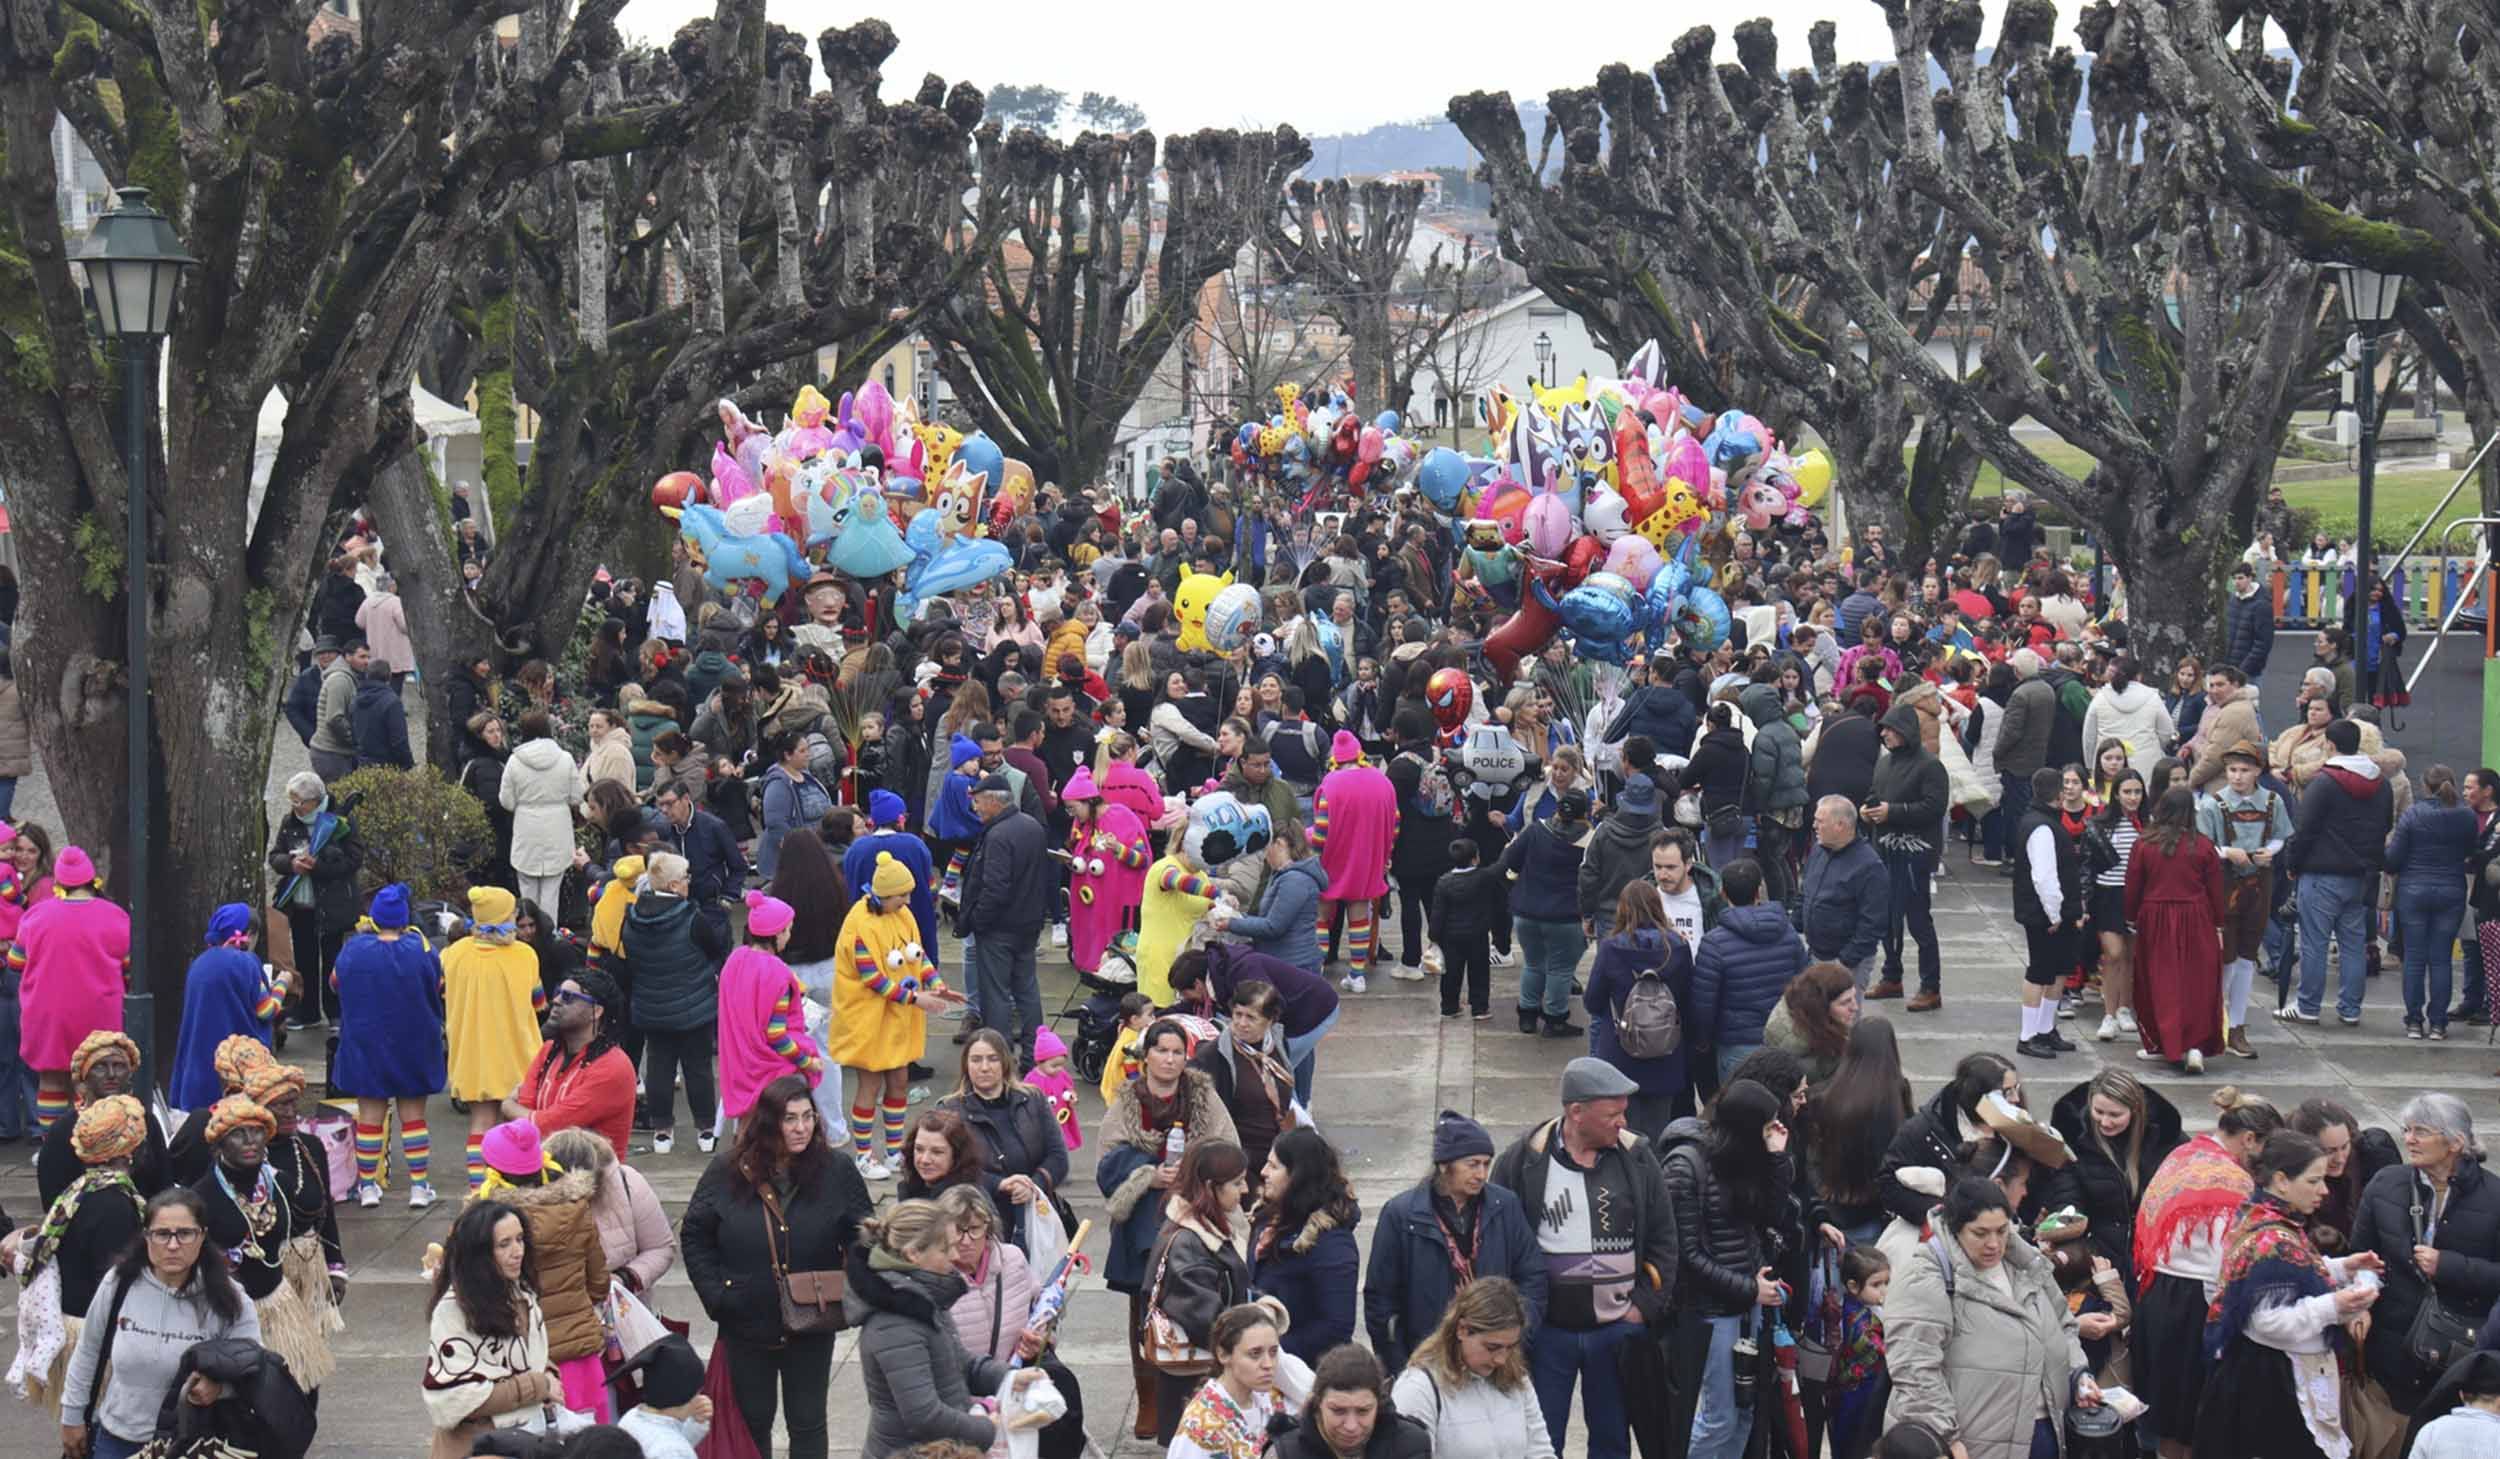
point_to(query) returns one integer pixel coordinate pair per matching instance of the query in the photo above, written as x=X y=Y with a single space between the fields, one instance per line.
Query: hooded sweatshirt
x=2344 y=819
x=1616 y=853
x=2134 y=715
x=156 y=1328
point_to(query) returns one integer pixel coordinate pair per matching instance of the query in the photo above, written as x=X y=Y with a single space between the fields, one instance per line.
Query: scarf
x=65 y=1209
x=2199 y=1186
x=2267 y=1260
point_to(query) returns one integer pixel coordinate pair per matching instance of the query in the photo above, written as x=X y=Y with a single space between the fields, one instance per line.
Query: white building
x=1527 y=337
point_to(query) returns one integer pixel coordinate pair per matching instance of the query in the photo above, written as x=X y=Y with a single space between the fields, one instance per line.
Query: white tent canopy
x=452 y=437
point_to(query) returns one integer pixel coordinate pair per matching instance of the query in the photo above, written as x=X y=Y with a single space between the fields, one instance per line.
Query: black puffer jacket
x=2094 y=1183
x=2468 y=1241
x=1394 y=1436
x=1717 y=1250
x=727 y=1254
x=1930 y=1139
x=1018 y=1135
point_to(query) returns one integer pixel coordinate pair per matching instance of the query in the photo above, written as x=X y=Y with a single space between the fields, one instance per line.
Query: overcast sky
x=1333 y=67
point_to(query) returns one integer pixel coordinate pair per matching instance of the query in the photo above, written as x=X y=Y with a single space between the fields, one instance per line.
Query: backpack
x=1650 y=1026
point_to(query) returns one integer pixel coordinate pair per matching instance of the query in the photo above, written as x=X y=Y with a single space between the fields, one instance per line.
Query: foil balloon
x=1522 y=634
x=1635 y=560
x=730 y=482
x=1231 y=614
x=1603 y=513
x=1442 y=477
x=1190 y=601
x=1503 y=503
x=1813 y=474
x=957 y=565
x=865 y=543
x=872 y=417
x=677 y=489
x=978 y=453
x=807 y=435
x=1222 y=828
x=730 y=559
x=1547 y=520
x=1449 y=693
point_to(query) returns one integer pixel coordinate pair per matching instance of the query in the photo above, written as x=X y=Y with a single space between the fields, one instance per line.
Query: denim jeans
x=1548 y=952
x=1557 y=1358
x=1724 y=849
x=1913 y=911
x=1720 y=1428
x=1992 y=835
x=1011 y=991
x=1731 y=1055
x=1303 y=1055
x=2430 y=916
x=2331 y=905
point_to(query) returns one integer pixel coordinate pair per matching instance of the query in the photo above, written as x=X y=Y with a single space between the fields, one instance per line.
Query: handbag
x=2439 y=1335
x=1688 y=809
x=1166 y=1346
x=2371 y=1419
x=811 y=1302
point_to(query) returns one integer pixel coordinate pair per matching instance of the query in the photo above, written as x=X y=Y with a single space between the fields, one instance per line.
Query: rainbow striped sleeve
x=270 y=1001
x=1193 y=883
x=864 y=962
x=1319 y=819
x=17 y=956
x=538 y=997
x=1133 y=857
x=777 y=1028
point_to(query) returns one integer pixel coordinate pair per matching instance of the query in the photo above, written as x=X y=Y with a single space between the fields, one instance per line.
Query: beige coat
x=17 y=749
x=572 y=1265
x=1974 y=1365
x=2219 y=731
x=610 y=758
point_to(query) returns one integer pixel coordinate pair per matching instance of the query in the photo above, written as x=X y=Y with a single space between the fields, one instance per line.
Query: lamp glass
x=2369 y=295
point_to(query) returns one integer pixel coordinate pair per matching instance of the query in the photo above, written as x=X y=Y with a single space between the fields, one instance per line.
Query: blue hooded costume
x=390 y=1008
x=225 y=992
x=886 y=812
x=953 y=818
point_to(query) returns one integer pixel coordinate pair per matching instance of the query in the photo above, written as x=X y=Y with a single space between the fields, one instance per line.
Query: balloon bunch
x=847 y=486
x=1325 y=451
x=1601 y=507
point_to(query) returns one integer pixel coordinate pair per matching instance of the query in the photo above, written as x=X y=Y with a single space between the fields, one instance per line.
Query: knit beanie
x=1455 y=1137
x=891 y=880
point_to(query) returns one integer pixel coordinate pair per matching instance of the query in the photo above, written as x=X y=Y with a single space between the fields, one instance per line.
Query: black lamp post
x=134 y=263
x=2370 y=300
x=1545 y=359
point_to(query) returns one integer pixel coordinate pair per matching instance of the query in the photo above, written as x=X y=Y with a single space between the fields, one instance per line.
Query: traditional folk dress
x=2179 y=1229
x=2272 y=1337
x=2175 y=904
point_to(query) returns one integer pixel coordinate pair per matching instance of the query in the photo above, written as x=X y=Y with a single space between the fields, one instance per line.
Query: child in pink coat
x=1354 y=822
x=1107 y=858
x=1052 y=1081
x=763 y=1012
x=72 y=955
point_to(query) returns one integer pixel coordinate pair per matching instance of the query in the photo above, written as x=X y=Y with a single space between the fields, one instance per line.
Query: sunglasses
x=568 y=995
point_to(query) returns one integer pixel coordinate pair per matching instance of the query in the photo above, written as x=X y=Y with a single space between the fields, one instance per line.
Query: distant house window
x=889 y=379
x=1441 y=411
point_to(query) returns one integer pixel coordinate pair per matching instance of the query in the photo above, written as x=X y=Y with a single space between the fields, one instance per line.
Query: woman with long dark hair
x=159 y=1299
x=1200 y=1267
x=2108 y=843
x=1813 y=1018
x=486 y=1362
x=1729 y=1188
x=2179 y=1229
x=2174 y=901
x=775 y=1202
x=1851 y=1121
x=1302 y=1250
x=1940 y=1136
x=2353 y=1155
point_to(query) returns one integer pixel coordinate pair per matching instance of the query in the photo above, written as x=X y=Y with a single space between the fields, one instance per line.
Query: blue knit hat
x=962 y=748
x=230 y=924
x=390 y=907
x=885 y=808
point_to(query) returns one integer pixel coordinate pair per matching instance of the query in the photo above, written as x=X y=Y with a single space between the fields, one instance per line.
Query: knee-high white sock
x=2031 y=1021
x=2238 y=976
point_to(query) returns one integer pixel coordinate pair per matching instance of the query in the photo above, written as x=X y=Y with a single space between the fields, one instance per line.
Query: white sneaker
x=368 y=1194
x=1432 y=960
x=874 y=1169
x=663 y=1141
x=2109 y=1030
x=1355 y=983
x=1405 y=974
x=2196 y=1061
x=704 y=1140
x=1503 y=959
x=1059 y=934
x=2148 y=1056
x=420 y=1195
x=2126 y=1020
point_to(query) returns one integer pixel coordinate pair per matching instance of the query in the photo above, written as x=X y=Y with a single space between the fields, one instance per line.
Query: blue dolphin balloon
x=730 y=558
x=964 y=562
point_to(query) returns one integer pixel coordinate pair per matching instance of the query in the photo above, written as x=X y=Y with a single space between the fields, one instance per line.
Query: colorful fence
x=2427 y=587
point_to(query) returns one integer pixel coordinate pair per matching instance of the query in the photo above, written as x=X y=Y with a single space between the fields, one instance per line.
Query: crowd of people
x=770 y=857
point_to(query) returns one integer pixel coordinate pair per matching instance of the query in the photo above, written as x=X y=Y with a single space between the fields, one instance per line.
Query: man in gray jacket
x=1848 y=894
x=333 y=742
x=2023 y=738
x=1777 y=784
x=1617 y=854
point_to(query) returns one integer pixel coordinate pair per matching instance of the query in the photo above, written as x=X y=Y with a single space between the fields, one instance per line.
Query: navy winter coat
x=2248 y=624
x=1545 y=858
x=1659 y=711
x=2430 y=845
x=675 y=956
x=381 y=723
x=1411 y=1279
x=1740 y=973
x=1847 y=901
x=1620 y=961
x=1314 y=1272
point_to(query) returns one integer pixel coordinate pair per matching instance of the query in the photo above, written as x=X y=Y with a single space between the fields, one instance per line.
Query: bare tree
x=1095 y=278
x=330 y=187
x=1267 y=333
x=1349 y=243
x=823 y=220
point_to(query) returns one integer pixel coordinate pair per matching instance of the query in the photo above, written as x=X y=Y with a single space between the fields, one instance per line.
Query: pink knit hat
x=1345 y=749
x=767 y=915
x=1047 y=1045
x=73 y=868
x=1081 y=786
x=513 y=1148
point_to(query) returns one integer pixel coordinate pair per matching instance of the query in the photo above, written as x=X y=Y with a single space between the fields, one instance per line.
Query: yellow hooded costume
x=492 y=1001
x=876 y=1026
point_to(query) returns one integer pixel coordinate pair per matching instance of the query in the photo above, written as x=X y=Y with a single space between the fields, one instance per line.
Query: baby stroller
x=1098 y=1017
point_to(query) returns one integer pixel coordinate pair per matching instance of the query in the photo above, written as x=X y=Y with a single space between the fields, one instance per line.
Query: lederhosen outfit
x=2246 y=823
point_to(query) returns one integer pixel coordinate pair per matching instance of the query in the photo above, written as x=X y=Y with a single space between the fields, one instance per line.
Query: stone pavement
x=1390 y=1063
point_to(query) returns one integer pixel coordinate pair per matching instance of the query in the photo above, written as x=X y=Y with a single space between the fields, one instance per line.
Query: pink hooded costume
x=763 y=1016
x=1056 y=1085
x=1107 y=876
x=1354 y=822
x=72 y=956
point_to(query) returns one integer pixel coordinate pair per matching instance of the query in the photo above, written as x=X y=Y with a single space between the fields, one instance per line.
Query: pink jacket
x=1354 y=823
x=762 y=1028
x=72 y=957
x=998 y=1302
x=633 y=1229
x=1126 y=785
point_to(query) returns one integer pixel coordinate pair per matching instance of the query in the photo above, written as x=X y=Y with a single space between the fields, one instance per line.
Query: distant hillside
x=1414 y=146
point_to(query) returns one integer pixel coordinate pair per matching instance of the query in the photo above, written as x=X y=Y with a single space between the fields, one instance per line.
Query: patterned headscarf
x=237 y=1055
x=236 y=1109
x=95 y=1046
x=110 y=1128
x=266 y=1084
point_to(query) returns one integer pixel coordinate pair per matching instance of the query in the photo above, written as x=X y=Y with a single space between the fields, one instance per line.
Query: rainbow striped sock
x=863 y=1125
x=416 y=1143
x=50 y=1109
x=894 y=1111
x=477 y=1161
x=1359 y=940
x=369 y=1147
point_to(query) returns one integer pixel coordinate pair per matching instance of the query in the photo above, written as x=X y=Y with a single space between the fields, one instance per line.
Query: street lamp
x=1545 y=359
x=2370 y=300
x=133 y=264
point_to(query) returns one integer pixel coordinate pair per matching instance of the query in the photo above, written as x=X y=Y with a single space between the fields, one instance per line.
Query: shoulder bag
x=2439 y=1335
x=811 y=1302
x=1161 y=1341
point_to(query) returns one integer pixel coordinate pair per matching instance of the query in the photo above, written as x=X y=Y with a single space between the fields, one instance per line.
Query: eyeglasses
x=570 y=995
x=173 y=1235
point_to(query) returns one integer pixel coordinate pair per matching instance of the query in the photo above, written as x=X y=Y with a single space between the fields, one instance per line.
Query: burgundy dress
x=2174 y=902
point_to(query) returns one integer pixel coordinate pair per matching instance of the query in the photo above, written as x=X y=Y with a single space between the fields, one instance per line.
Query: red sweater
x=597 y=1095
